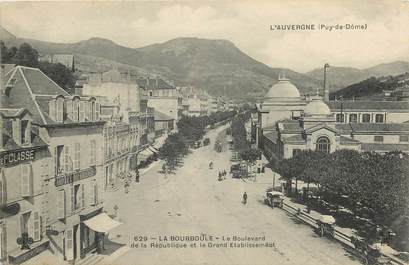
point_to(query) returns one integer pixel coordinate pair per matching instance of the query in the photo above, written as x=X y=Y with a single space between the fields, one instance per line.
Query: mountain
x=215 y=65
x=5 y=34
x=341 y=77
x=374 y=87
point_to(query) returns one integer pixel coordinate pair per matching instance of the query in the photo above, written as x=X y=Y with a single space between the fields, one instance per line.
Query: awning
x=153 y=149
x=102 y=223
x=159 y=142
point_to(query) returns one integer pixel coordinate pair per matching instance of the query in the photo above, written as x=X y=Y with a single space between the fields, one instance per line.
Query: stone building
x=24 y=162
x=287 y=123
x=73 y=190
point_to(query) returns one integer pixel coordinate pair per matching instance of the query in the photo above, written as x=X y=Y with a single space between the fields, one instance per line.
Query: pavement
x=193 y=202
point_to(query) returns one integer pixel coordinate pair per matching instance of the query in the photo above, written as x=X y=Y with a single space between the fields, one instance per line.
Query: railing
x=337 y=235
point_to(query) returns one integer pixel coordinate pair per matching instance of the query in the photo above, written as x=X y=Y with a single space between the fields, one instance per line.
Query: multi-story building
x=65 y=59
x=162 y=96
x=130 y=126
x=24 y=162
x=73 y=184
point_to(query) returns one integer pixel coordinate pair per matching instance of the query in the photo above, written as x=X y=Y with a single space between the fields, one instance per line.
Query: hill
x=374 y=87
x=215 y=65
x=341 y=77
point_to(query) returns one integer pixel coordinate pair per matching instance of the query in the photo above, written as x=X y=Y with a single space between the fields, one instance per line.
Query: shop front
x=94 y=230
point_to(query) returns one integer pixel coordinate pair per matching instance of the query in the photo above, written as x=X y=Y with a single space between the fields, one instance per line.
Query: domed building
x=282 y=101
x=315 y=129
x=288 y=122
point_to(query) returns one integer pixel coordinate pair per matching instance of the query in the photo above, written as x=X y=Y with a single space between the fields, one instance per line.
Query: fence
x=339 y=236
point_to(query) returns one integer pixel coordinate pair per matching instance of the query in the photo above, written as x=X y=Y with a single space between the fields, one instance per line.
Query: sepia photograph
x=204 y=132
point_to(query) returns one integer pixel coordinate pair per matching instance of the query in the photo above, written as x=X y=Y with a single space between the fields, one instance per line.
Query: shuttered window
x=69 y=244
x=93 y=147
x=82 y=196
x=60 y=110
x=77 y=156
x=61 y=204
x=97 y=111
x=3 y=190
x=75 y=111
x=94 y=193
x=70 y=109
x=26 y=180
x=88 y=111
x=81 y=111
x=36 y=226
x=67 y=159
x=72 y=199
x=52 y=110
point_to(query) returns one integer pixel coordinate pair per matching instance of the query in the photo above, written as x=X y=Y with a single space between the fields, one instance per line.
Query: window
x=26 y=180
x=3 y=188
x=379 y=118
x=59 y=110
x=88 y=110
x=76 y=197
x=340 y=117
x=94 y=192
x=25 y=132
x=378 y=138
x=97 y=110
x=59 y=159
x=296 y=151
x=75 y=109
x=61 y=204
x=67 y=159
x=70 y=109
x=353 y=117
x=24 y=219
x=69 y=244
x=36 y=226
x=323 y=144
x=77 y=155
x=93 y=152
x=81 y=116
x=366 y=117
x=403 y=138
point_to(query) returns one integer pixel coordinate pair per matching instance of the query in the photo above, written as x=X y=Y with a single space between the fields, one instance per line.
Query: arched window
x=323 y=144
x=353 y=118
x=379 y=118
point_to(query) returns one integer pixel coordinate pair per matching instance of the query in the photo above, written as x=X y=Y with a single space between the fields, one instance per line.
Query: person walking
x=244 y=198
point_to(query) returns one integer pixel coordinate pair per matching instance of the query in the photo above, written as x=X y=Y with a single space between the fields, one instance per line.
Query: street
x=193 y=202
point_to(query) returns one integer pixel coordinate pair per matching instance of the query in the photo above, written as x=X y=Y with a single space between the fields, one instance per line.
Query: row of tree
x=25 y=55
x=239 y=135
x=190 y=129
x=378 y=182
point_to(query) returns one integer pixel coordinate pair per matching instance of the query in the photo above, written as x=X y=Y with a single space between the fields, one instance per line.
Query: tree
x=26 y=56
x=59 y=74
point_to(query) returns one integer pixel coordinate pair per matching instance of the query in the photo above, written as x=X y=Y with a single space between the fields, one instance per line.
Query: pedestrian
x=136 y=175
x=244 y=198
x=126 y=186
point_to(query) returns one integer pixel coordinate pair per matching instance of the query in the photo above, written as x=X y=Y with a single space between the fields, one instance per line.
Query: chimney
x=326 y=89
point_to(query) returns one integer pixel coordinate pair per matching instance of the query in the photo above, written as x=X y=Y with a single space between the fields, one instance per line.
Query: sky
x=245 y=23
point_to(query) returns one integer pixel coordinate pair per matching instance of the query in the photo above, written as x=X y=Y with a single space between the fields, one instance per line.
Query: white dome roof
x=283 y=89
x=317 y=107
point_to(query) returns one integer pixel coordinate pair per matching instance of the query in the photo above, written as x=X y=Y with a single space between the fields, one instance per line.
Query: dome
x=283 y=89
x=317 y=107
